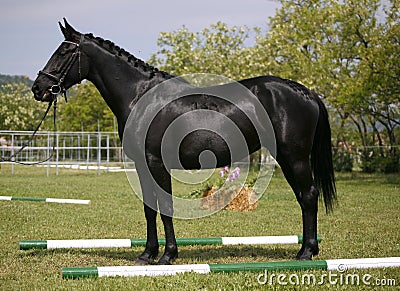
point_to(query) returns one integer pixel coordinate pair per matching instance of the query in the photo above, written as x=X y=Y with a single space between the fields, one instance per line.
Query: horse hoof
x=145 y=259
x=142 y=262
x=305 y=255
x=303 y=258
x=166 y=261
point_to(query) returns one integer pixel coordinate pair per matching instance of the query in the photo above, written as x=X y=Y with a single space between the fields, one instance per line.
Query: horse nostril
x=36 y=92
x=35 y=88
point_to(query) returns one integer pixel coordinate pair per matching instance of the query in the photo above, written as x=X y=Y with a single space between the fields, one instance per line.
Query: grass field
x=366 y=223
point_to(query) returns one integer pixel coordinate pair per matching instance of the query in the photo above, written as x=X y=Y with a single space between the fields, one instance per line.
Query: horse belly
x=213 y=135
x=203 y=149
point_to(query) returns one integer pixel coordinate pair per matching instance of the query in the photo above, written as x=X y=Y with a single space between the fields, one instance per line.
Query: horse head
x=67 y=66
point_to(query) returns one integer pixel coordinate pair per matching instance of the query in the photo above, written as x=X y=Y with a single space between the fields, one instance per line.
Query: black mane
x=128 y=57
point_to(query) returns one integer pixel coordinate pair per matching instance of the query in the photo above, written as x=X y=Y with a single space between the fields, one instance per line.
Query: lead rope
x=13 y=156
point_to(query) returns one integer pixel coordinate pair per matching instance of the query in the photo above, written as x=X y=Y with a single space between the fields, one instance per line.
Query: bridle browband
x=59 y=88
x=56 y=90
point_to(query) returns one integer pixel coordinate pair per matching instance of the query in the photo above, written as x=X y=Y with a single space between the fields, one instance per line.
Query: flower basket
x=235 y=198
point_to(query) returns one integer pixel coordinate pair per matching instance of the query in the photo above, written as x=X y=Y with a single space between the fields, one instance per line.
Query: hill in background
x=7 y=79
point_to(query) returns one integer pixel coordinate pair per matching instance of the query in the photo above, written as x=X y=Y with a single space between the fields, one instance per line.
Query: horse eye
x=63 y=51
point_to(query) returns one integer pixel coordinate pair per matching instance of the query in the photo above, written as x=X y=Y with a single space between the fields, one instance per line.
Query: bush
x=369 y=160
x=377 y=160
x=342 y=160
x=391 y=163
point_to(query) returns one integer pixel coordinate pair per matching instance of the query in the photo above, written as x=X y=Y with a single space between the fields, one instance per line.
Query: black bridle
x=59 y=88
x=55 y=90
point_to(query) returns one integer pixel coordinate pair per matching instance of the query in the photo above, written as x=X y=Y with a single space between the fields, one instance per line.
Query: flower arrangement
x=232 y=197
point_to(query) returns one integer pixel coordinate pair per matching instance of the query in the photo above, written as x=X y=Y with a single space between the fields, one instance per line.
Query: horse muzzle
x=48 y=95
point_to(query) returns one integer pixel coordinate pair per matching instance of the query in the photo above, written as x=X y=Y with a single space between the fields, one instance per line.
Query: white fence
x=83 y=150
x=102 y=150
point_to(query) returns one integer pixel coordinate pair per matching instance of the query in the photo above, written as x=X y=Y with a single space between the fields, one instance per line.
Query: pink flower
x=231 y=174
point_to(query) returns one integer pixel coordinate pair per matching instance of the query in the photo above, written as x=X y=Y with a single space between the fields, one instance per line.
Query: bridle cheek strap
x=59 y=88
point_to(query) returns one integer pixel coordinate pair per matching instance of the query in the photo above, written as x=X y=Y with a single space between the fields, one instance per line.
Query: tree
x=215 y=50
x=358 y=53
x=340 y=49
x=8 y=79
x=18 y=109
x=345 y=53
x=85 y=111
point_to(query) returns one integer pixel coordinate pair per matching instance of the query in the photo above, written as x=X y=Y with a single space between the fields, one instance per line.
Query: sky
x=29 y=31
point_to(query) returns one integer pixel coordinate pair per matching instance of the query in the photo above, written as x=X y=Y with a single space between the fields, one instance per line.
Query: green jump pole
x=126 y=243
x=169 y=270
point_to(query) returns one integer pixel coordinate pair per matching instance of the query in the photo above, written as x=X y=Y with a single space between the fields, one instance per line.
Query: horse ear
x=63 y=30
x=68 y=31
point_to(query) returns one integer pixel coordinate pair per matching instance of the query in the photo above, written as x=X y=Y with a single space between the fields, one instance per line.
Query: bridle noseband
x=59 y=88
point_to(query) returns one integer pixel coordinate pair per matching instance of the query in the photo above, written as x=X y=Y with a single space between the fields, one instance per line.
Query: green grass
x=366 y=223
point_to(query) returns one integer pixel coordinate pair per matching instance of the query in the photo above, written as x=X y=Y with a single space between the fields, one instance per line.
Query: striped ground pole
x=126 y=243
x=50 y=200
x=340 y=265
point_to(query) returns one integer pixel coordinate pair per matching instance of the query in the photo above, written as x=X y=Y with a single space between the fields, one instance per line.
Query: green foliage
x=342 y=160
x=218 y=49
x=85 y=111
x=18 y=109
x=377 y=160
x=391 y=163
x=347 y=51
x=8 y=79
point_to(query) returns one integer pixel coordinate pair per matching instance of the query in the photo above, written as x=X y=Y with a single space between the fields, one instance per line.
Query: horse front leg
x=151 y=251
x=165 y=205
x=171 y=248
x=150 y=210
x=157 y=194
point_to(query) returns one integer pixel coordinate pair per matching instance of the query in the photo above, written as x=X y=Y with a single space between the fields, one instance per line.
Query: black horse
x=298 y=117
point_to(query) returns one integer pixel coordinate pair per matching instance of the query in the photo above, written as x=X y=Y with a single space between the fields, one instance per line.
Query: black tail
x=321 y=158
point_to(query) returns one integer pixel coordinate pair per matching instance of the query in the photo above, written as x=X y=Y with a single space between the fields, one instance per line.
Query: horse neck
x=119 y=82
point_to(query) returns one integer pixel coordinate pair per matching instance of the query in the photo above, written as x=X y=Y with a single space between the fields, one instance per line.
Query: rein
x=10 y=158
x=57 y=89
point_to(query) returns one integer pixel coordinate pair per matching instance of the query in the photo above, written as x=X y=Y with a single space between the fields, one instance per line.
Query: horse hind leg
x=299 y=177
